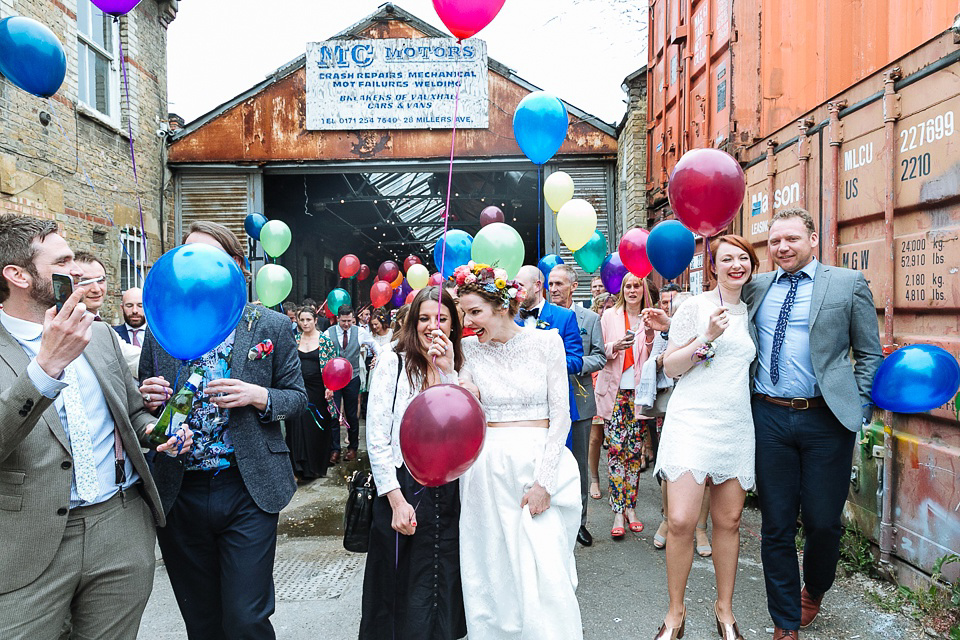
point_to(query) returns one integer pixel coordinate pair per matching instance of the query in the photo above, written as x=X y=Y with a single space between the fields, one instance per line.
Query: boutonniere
x=543 y=324
x=583 y=332
x=252 y=316
x=260 y=351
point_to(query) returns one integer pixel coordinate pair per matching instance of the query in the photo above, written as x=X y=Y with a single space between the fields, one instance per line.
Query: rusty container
x=728 y=73
x=877 y=165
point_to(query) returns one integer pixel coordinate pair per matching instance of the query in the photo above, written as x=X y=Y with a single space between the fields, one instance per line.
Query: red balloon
x=441 y=434
x=490 y=215
x=349 y=266
x=380 y=293
x=436 y=279
x=410 y=261
x=411 y=296
x=364 y=272
x=325 y=310
x=706 y=190
x=337 y=373
x=633 y=252
x=465 y=18
x=388 y=271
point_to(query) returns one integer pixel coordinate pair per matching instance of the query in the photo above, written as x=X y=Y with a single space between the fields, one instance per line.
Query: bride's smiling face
x=480 y=316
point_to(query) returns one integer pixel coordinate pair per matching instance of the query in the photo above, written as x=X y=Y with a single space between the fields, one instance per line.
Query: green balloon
x=273 y=284
x=275 y=237
x=590 y=256
x=336 y=299
x=499 y=245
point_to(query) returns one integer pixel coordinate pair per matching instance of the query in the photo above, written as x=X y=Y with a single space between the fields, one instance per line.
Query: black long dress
x=308 y=435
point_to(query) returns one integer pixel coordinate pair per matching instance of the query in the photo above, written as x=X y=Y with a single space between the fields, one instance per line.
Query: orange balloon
x=396 y=283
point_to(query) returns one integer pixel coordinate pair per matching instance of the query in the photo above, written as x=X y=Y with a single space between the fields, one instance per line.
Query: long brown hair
x=644 y=298
x=409 y=340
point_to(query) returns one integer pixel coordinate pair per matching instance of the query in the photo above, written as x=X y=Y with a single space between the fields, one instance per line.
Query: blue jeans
x=803 y=469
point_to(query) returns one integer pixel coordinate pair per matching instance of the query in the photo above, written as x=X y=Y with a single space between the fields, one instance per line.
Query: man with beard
x=134 y=325
x=78 y=505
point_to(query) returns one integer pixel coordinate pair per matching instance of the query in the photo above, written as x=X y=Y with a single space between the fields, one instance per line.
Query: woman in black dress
x=308 y=435
x=411 y=587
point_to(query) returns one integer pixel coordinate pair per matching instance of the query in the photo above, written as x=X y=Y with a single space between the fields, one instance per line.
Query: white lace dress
x=518 y=571
x=708 y=428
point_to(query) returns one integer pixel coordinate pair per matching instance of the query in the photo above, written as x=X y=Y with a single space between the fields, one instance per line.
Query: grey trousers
x=581 y=446
x=99 y=579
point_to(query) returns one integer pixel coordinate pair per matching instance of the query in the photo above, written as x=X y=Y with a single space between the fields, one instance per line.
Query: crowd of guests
x=749 y=385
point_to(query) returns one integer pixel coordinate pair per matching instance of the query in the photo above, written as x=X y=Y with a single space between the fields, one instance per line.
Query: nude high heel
x=726 y=630
x=672 y=633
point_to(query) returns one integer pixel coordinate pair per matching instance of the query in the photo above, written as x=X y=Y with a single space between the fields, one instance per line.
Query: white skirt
x=519 y=574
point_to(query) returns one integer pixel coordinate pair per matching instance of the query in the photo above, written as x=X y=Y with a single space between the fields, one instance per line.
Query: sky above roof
x=580 y=50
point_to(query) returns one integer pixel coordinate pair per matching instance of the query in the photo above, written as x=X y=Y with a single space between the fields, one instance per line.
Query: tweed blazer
x=262 y=455
x=36 y=463
x=594 y=359
x=843 y=322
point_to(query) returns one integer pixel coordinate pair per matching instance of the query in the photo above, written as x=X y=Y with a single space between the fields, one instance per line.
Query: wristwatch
x=665 y=335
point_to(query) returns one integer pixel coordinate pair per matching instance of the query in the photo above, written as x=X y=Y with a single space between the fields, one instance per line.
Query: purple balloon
x=490 y=215
x=116 y=7
x=612 y=272
x=400 y=294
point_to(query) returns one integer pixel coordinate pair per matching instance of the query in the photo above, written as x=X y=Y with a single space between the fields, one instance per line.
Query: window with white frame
x=98 y=64
x=131 y=258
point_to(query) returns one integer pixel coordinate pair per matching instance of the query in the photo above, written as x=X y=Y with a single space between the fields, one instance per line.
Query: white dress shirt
x=363 y=335
x=531 y=321
x=101 y=423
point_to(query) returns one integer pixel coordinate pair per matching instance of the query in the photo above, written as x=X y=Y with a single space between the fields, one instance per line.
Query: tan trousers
x=99 y=579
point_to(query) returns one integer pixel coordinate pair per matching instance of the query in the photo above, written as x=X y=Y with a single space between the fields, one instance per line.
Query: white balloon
x=576 y=222
x=558 y=189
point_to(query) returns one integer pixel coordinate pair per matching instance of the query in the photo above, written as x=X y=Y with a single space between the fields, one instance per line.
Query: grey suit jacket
x=594 y=357
x=843 y=319
x=262 y=455
x=36 y=463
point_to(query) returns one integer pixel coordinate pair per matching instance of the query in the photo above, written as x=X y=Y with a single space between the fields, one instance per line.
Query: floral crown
x=490 y=279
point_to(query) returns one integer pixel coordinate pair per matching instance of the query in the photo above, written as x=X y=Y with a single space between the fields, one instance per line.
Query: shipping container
x=727 y=73
x=878 y=167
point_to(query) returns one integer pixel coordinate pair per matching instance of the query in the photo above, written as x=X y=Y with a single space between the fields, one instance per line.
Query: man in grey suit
x=222 y=502
x=809 y=402
x=561 y=283
x=78 y=506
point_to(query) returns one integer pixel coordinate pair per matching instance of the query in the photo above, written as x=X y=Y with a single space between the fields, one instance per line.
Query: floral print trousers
x=625 y=435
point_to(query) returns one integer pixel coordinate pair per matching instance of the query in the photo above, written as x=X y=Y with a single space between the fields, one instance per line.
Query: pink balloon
x=465 y=18
x=436 y=278
x=411 y=296
x=116 y=7
x=633 y=252
x=706 y=190
x=380 y=293
x=441 y=434
x=490 y=215
x=337 y=373
x=364 y=272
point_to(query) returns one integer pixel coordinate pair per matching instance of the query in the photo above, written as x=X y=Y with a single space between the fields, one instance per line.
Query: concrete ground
x=622 y=588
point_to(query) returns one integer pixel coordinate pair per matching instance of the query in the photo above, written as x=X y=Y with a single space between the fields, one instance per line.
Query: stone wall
x=62 y=161
x=632 y=156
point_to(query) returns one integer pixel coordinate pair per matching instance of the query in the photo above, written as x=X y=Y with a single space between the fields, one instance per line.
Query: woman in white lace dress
x=708 y=430
x=520 y=501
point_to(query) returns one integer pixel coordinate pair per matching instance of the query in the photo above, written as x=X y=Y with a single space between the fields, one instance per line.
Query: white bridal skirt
x=519 y=574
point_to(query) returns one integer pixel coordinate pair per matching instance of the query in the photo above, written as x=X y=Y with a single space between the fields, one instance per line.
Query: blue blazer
x=121 y=330
x=565 y=321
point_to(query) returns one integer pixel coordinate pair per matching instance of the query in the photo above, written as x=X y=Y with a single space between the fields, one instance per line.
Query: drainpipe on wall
x=771 y=163
x=891 y=113
x=803 y=154
x=833 y=181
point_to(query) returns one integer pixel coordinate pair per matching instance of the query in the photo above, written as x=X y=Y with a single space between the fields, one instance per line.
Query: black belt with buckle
x=800 y=404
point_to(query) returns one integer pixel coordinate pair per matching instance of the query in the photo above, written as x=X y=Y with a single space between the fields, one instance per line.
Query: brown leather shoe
x=350 y=456
x=809 y=608
x=780 y=634
x=335 y=457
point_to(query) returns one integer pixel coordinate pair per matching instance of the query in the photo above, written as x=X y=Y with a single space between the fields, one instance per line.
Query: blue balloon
x=670 y=248
x=31 y=56
x=916 y=378
x=540 y=126
x=547 y=263
x=193 y=298
x=457 y=252
x=253 y=223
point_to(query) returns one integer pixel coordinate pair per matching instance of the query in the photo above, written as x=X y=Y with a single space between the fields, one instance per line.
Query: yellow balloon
x=418 y=276
x=576 y=222
x=558 y=189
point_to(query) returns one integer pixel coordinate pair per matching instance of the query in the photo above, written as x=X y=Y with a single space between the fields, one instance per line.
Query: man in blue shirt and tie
x=809 y=402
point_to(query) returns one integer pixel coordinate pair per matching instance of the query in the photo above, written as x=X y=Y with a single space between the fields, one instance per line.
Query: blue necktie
x=782 y=321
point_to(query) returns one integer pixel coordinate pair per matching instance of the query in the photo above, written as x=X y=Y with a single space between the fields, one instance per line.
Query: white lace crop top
x=524 y=378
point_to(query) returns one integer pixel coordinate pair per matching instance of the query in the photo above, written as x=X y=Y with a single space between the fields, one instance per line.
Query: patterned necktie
x=781 y=331
x=346 y=337
x=84 y=467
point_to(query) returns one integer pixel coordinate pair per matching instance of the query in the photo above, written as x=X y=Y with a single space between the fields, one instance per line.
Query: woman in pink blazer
x=627 y=340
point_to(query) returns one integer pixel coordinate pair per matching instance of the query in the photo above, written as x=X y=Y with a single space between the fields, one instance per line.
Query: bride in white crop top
x=520 y=501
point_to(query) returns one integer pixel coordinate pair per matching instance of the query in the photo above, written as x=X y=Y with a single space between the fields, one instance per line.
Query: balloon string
x=133 y=157
x=540 y=215
x=706 y=241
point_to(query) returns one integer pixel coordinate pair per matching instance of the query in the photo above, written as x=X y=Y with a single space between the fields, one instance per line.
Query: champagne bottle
x=177 y=410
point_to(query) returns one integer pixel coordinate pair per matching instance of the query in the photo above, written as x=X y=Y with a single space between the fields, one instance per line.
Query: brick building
x=631 y=205
x=68 y=158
